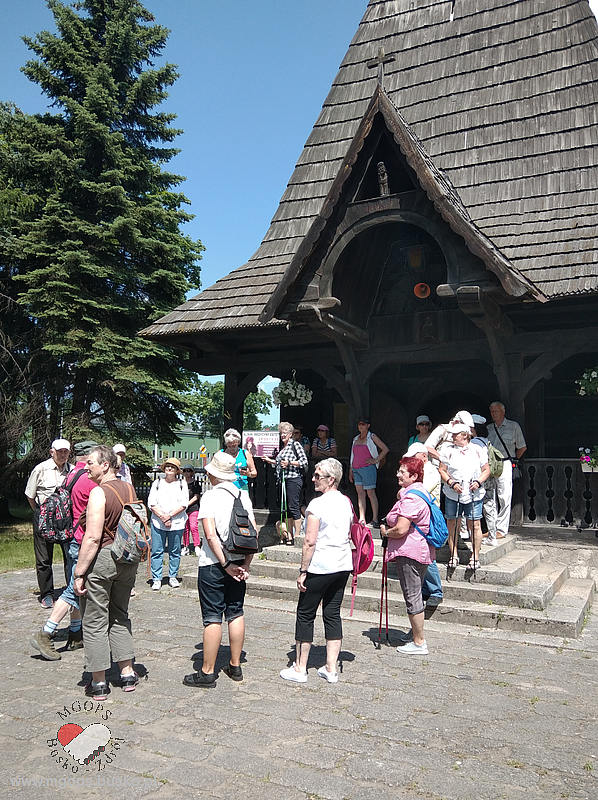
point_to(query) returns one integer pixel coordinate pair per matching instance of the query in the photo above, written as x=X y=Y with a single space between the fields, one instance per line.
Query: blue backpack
x=438 y=534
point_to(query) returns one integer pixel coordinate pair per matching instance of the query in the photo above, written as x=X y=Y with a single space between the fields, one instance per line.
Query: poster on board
x=260 y=443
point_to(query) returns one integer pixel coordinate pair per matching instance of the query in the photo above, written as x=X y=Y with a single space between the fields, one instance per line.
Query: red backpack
x=362 y=552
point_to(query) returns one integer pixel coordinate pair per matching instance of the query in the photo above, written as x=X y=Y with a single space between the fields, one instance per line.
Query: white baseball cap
x=60 y=444
x=119 y=448
x=478 y=420
x=416 y=447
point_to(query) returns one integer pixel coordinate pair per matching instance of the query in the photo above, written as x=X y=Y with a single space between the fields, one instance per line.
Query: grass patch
x=16 y=546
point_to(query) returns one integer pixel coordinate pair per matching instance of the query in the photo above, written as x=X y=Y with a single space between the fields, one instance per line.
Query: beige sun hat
x=222 y=466
x=173 y=462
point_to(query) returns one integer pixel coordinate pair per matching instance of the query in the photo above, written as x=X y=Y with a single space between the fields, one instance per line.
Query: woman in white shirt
x=326 y=564
x=168 y=499
x=463 y=469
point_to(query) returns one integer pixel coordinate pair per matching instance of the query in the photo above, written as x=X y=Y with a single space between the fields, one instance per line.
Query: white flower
x=594 y=374
x=582 y=391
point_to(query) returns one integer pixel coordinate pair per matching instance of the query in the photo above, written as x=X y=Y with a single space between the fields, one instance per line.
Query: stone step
x=563 y=616
x=536 y=590
x=503 y=564
x=488 y=555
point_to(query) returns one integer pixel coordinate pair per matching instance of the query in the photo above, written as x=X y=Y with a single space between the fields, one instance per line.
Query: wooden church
x=436 y=247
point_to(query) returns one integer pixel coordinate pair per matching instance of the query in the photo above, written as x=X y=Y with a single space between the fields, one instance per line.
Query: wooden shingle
x=503 y=100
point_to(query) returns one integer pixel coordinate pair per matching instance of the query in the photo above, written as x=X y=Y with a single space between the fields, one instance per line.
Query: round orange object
x=421 y=290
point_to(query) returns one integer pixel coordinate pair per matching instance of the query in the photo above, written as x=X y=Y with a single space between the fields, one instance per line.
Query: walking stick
x=454 y=549
x=383 y=595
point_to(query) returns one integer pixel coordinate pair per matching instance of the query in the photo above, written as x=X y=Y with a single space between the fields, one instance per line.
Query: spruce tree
x=102 y=253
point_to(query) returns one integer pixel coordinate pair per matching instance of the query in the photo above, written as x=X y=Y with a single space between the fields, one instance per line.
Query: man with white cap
x=221 y=575
x=44 y=479
x=123 y=472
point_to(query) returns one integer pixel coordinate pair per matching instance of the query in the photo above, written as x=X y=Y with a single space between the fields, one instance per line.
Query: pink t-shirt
x=79 y=496
x=361 y=456
x=412 y=545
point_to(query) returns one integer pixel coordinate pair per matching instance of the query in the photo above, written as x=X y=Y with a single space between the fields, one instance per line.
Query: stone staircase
x=514 y=588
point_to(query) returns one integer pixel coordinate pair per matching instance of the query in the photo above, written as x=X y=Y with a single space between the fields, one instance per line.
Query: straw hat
x=172 y=462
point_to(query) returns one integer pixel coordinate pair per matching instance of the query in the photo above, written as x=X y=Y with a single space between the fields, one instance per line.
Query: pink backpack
x=363 y=552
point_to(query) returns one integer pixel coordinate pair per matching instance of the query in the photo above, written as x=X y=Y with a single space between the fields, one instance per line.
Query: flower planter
x=587 y=468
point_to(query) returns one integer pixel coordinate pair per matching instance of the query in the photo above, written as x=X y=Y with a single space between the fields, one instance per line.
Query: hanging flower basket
x=588 y=459
x=291 y=393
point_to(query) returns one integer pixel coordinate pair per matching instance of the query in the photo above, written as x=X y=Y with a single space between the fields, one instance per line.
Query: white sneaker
x=291 y=674
x=490 y=542
x=174 y=583
x=156 y=586
x=184 y=551
x=331 y=677
x=412 y=649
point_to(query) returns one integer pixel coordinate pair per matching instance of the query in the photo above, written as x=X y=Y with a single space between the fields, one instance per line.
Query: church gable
x=502 y=95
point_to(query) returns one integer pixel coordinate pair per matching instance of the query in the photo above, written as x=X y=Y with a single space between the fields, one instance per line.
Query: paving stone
x=487 y=715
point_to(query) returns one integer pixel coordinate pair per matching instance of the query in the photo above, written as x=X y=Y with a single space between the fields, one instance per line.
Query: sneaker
x=200 y=680
x=234 y=673
x=331 y=677
x=406 y=636
x=44 y=645
x=99 y=691
x=433 y=601
x=291 y=674
x=185 y=551
x=47 y=601
x=374 y=524
x=412 y=649
x=174 y=583
x=490 y=542
x=156 y=586
x=75 y=640
x=129 y=682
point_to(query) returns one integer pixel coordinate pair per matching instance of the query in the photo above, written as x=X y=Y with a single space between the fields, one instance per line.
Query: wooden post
x=233 y=402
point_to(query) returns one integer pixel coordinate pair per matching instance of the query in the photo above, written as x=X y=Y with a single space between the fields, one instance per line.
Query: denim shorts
x=365 y=476
x=219 y=594
x=471 y=510
x=69 y=595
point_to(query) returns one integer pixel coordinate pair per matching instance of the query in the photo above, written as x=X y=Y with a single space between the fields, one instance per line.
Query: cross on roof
x=380 y=60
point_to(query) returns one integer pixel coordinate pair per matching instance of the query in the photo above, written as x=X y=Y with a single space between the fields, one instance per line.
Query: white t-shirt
x=333 y=545
x=464 y=465
x=217 y=503
x=169 y=495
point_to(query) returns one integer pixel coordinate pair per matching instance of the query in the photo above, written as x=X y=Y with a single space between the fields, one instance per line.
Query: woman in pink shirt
x=409 y=548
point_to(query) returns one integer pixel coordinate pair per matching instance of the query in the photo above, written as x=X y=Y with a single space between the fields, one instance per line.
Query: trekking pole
x=454 y=554
x=383 y=595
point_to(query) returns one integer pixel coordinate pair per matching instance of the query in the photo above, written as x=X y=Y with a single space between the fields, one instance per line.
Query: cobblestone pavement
x=487 y=714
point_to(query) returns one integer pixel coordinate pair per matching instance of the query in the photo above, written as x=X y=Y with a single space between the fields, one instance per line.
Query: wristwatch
x=302 y=572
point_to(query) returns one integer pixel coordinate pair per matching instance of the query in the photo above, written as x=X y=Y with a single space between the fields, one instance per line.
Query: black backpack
x=242 y=536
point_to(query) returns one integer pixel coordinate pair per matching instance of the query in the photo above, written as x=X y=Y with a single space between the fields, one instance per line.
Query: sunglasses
x=319 y=475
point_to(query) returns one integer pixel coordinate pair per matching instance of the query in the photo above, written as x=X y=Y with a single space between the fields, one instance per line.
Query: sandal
x=473 y=564
x=453 y=562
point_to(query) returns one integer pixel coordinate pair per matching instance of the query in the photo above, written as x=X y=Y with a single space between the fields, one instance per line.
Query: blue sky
x=253 y=79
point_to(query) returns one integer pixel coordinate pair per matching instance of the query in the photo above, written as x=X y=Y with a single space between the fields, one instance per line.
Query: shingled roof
x=503 y=97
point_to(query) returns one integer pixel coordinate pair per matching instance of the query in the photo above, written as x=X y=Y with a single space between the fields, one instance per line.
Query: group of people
x=452 y=459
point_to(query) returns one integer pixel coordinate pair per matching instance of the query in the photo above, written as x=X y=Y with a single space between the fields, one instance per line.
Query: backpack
x=304 y=467
x=438 y=535
x=131 y=540
x=362 y=552
x=495 y=461
x=242 y=536
x=55 y=523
